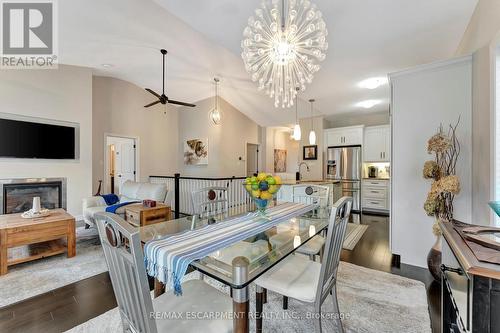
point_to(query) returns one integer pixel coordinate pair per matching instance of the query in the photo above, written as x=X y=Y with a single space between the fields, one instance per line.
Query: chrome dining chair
x=306 y=280
x=122 y=248
x=312 y=194
x=209 y=203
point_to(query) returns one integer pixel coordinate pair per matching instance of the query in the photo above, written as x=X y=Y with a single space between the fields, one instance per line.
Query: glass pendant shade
x=215 y=115
x=297 y=135
x=312 y=137
x=312 y=134
x=283 y=45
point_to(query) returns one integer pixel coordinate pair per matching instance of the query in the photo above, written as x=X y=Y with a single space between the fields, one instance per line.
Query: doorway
x=252 y=159
x=121 y=162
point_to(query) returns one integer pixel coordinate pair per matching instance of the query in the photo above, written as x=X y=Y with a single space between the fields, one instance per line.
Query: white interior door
x=124 y=161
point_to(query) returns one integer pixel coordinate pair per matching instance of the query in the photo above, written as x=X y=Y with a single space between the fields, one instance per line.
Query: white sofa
x=131 y=191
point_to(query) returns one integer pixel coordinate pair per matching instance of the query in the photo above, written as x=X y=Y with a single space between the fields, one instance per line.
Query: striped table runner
x=168 y=258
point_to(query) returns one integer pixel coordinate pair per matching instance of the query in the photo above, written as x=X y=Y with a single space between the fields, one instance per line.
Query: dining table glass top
x=263 y=250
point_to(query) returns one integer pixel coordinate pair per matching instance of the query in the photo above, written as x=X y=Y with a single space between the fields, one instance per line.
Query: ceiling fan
x=163 y=99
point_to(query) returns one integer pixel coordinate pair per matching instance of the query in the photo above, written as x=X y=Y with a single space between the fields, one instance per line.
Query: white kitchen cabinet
x=375 y=195
x=334 y=138
x=377 y=144
x=344 y=136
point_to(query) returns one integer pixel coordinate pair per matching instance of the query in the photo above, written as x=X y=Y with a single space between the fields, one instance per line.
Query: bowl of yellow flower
x=262 y=189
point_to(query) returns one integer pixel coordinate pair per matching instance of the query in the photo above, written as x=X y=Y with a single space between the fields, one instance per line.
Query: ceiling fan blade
x=151 y=104
x=152 y=92
x=171 y=101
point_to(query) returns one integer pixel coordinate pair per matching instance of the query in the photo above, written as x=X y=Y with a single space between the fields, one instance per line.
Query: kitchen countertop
x=376 y=178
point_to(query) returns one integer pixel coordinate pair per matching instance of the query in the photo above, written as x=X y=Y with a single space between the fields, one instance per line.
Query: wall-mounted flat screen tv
x=24 y=139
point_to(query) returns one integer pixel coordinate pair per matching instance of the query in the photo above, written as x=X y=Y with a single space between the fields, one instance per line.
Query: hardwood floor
x=69 y=306
x=60 y=309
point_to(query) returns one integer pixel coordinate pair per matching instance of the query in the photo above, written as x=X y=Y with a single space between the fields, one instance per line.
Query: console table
x=470 y=288
x=46 y=236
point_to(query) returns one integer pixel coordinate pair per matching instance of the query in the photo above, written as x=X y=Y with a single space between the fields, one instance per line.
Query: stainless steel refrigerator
x=344 y=164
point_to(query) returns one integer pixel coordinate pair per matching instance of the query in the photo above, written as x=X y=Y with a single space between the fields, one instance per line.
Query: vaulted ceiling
x=367 y=39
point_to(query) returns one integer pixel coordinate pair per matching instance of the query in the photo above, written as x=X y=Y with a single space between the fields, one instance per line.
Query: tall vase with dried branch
x=445 y=186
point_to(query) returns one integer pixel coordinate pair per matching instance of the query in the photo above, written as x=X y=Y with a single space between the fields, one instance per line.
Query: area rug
x=37 y=277
x=370 y=301
x=353 y=234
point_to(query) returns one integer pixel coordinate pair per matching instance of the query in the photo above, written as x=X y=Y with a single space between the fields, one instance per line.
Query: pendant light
x=296 y=129
x=215 y=115
x=312 y=134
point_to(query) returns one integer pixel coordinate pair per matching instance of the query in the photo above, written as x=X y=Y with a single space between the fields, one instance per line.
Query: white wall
x=226 y=141
x=63 y=94
x=118 y=109
x=483 y=26
x=279 y=138
x=481 y=38
x=423 y=99
x=315 y=166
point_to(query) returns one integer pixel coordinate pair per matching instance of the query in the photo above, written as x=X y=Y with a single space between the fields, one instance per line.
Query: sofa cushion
x=93 y=202
x=90 y=212
x=156 y=192
x=126 y=199
x=130 y=189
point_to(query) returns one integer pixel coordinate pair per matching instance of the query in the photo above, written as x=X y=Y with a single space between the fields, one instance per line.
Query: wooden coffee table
x=46 y=236
x=139 y=215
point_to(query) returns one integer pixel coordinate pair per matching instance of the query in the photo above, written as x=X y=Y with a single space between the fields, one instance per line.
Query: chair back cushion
x=122 y=249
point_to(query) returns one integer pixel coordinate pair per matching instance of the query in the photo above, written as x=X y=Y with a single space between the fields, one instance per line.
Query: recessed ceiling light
x=373 y=83
x=106 y=65
x=368 y=103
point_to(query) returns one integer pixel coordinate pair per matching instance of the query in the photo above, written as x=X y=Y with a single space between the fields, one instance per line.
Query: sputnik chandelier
x=282 y=47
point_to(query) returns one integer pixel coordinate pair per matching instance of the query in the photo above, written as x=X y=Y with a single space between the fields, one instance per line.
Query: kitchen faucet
x=298 y=173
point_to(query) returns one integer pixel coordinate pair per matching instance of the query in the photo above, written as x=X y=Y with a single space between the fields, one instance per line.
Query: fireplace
x=16 y=195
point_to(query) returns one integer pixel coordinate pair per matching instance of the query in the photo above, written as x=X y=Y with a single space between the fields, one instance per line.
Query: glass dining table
x=239 y=264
